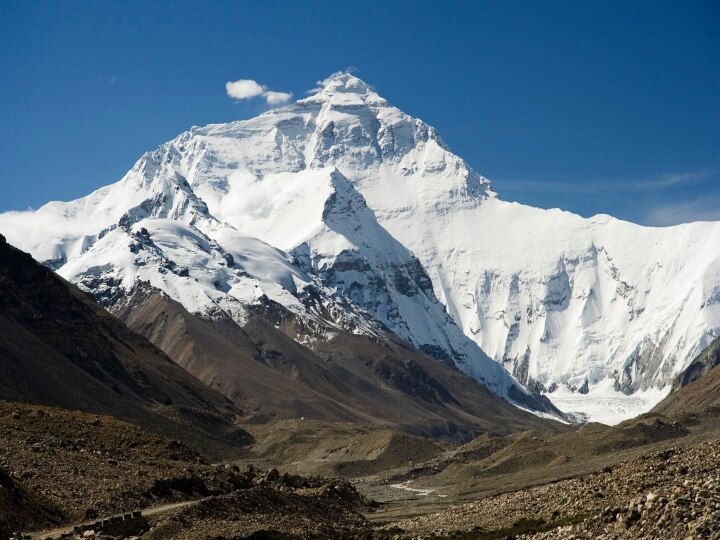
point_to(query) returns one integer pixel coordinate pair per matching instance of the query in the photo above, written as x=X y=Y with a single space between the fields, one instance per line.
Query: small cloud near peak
x=276 y=98
x=248 y=89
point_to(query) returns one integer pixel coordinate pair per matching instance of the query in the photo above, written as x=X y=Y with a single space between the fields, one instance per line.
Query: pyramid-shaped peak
x=343 y=86
x=343 y=81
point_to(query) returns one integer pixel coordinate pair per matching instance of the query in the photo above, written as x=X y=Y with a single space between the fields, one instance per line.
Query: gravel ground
x=673 y=493
x=61 y=467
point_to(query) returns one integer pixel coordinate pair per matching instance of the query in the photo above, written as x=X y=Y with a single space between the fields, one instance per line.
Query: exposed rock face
x=700 y=366
x=696 y=391
x=264 y=369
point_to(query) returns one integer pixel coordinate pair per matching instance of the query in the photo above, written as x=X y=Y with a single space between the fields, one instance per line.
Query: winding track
x=147 y=512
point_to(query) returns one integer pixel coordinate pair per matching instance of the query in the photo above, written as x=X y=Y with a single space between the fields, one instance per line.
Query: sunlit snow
x=343 y=194
x=605 y=405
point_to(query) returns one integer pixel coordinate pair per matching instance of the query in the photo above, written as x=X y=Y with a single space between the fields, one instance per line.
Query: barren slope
x=58 y=347
x=346 y=378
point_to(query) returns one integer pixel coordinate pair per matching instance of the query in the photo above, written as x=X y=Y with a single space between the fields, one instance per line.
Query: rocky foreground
x=672 y=493
x=61 y=469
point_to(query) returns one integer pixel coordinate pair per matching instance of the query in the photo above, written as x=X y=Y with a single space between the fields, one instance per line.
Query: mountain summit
x=356 y=217
x=343 y=83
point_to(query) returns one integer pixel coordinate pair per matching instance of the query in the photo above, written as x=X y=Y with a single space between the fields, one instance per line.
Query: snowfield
x=342 y=197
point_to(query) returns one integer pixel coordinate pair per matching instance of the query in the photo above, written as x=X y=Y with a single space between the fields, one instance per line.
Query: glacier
x=355 y=215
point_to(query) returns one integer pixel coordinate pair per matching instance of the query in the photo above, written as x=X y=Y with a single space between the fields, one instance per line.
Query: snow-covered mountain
x=356 y=216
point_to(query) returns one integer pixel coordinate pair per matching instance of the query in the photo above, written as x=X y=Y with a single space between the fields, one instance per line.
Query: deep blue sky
x=594 y=107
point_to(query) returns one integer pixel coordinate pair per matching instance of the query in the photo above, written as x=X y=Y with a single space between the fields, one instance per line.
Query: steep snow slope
x=369 y=207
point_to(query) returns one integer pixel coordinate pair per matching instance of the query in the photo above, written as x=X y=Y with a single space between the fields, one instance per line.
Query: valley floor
x=670 y=493
x=652 y=477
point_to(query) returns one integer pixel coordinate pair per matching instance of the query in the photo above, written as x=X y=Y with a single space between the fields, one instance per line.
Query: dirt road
x=147 y=512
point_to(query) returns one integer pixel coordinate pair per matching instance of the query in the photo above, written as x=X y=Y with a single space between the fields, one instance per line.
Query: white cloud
x=661 y=182
x=244 y=89
x=700 y=209
x=248 y=89
x=276 y=98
